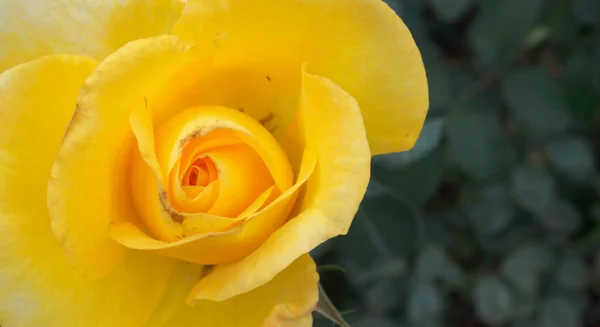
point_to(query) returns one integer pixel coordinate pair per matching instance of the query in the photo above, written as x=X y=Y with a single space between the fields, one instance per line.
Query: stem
x=326 y=308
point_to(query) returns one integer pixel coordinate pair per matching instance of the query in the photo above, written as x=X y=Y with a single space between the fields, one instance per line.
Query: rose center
x=200 y=173
x=211 y=164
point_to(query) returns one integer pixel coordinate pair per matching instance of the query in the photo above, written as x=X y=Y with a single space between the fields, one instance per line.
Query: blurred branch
x=326 y=308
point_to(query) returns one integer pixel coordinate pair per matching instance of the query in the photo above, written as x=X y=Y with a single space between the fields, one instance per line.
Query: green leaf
x=560 y=217
x=375 y=321
x=557 y=312
x=439 y=78
x=594 y=212
x=572 y=273
x=441 y=226
x=494 y=212
x=493 y=300
x=375 y=189
x=501 y=243
x=534 y=189
x=525 y=305
x=582 y=92
x=587 y=11
x=357 y=246
x=596 y=266
x=410 y=13
x=329 y=268
x=523 y=266
x=537 y=36
x=501 y=27
x=425 y=302
x=450 y=10
x=440 y=87
x=383 y=296
x=536 y=101
x=321 y=250
x=416 y=182
x=477 y=143
x=427 y=142
x=433 y=265
x=389 y=224
x=523 y=323
x=383 y=229
x=434 y=321
x=573 y=156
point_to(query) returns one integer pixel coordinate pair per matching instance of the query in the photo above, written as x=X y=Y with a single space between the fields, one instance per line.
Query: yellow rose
x=171 y=166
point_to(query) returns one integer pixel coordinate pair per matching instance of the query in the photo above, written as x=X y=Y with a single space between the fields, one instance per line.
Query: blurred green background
x=493 y=219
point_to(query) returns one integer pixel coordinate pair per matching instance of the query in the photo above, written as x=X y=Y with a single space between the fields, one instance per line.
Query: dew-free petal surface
x=331 y=127
x=38 y=285
x=33 y=28
x=221 y=247
x=286 y=300
x=90 y=184
x=362 y=45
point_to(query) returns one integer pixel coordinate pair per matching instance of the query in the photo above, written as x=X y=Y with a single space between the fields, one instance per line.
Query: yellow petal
x=38 y=285
x=247 y=157
x=227 y=246
x=243 y=177
x=246 y=169
x=210 y=118
x=148 y=182
x=286 y=300
x=158 y=218
x=90 y=184
x=330 y=121
x=140 y=121
x=363 y=46
x=260 y=202
x=31 y=29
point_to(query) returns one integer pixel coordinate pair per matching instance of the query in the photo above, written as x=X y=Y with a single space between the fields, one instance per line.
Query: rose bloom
x=172 y=164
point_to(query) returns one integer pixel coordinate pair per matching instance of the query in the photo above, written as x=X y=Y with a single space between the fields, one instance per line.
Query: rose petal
x=221 y=247
x=90 y=184
x=332 y=126
x=287 y=300
x=35 y=28
x=208 y=118
x=148 y=188
x=38 y=285
x=242 y=168
x=363 y=46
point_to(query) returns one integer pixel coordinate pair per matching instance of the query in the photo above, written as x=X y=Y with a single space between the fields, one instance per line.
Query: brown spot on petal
x=176 y=216
x=188 y=138
x=206 y=270
x=268 y=118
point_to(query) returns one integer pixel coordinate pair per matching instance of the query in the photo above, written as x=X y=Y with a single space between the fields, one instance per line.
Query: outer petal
x=38 y=286
x=286 y=300
x=332 y=127
x=90 y=184
x=33 y=28
x=362 y=45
